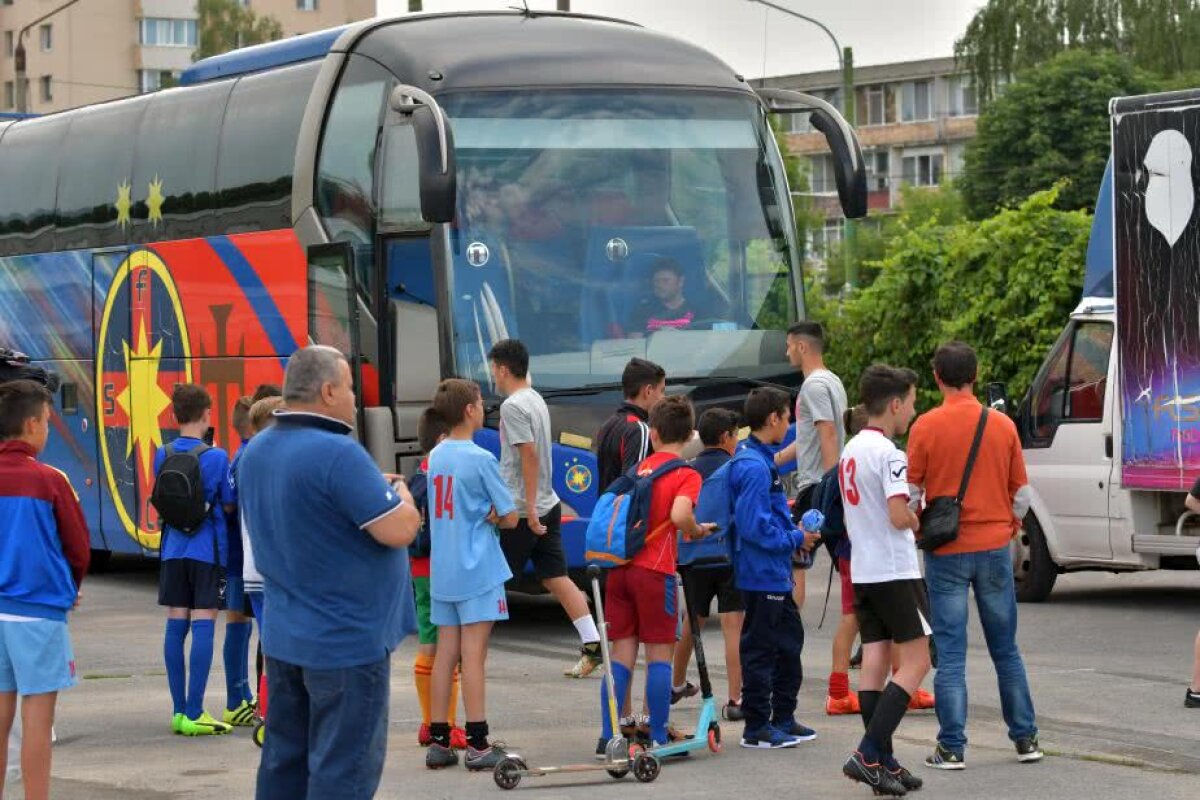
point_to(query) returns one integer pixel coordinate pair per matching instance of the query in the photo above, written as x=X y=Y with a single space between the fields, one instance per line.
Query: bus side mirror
x=438 y=178
x=849 y=170
x=997 y=398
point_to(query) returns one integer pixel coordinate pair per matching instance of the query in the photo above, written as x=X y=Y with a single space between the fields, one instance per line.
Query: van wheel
x=1033 y=572
x=100 y=561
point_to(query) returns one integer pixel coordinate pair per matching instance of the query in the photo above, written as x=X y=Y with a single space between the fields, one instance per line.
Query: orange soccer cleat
x=920 y=699
x=835 y=706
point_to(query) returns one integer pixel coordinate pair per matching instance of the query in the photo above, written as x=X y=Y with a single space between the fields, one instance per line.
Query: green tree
x=226 y=25
x=1008 y=36
x=1050 y=124
x=1004 y=285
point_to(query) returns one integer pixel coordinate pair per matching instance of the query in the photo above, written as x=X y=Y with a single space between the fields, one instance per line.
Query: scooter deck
x=605 y=766
x=708 y=715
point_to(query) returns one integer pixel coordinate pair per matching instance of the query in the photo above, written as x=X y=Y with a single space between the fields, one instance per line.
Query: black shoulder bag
x=939 y=520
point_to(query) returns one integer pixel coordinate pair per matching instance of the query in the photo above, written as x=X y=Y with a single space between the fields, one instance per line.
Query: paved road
x=1107 y=658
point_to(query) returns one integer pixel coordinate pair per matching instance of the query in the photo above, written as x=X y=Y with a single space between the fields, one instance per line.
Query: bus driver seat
x=617 y=273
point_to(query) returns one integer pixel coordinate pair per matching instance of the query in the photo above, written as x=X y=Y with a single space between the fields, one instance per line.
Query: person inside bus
x=669 y=308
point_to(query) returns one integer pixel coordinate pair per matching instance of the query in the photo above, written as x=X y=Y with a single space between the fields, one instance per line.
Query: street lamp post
x=845 y=58
x=22 y=89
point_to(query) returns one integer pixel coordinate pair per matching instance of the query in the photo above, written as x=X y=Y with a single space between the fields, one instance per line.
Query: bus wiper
x=726 y=380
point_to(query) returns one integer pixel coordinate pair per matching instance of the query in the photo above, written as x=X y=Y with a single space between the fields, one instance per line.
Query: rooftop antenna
x=526 y=10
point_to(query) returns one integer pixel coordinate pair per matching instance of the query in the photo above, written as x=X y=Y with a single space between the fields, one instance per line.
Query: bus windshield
x=600 y=225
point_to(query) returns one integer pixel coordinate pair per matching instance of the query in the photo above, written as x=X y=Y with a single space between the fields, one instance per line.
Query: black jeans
x=772 y=640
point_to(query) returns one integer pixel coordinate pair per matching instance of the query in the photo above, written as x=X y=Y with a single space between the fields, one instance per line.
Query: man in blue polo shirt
x=330 y=538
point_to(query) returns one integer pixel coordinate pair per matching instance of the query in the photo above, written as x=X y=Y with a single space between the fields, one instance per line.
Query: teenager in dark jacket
x=764 y=540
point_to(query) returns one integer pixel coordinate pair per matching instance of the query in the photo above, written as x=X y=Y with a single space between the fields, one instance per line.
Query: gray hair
x=308 y=370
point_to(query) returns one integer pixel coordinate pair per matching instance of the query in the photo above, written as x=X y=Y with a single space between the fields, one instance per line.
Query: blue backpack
x=716 y=506
x=827 y=498
x=620 y=521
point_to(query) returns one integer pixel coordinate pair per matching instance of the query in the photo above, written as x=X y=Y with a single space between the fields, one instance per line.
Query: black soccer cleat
x=874 y=776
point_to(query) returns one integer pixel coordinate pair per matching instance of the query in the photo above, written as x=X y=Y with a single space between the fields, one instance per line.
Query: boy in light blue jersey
x=468 y=500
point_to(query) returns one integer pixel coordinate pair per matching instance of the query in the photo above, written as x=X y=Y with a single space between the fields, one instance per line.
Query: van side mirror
x=997 y=398
x=849 y=170
x=438 y=176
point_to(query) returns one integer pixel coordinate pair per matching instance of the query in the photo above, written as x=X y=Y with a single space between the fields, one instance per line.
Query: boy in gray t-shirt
x=526 y=466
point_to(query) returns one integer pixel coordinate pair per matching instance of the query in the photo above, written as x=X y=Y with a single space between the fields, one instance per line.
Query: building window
x=47 y=89
x=801 y=123
x=963 y=102
x=306 y=5
x=876 y=107
x=923 y=170
x=916 y=101
x=10 y=94
x=162 y=32
x=46 y=38
x=877 y=163
x=151 y=80
x=821 y=178
x=8 y=44
x=825 y=238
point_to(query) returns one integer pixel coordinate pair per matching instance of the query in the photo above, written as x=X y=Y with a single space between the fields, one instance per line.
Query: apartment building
x=913 y=118
x=96 y=50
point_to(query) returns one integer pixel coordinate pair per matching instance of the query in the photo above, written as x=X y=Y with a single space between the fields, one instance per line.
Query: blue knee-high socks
x=621 y=676
x=658 y=698
x=176 y=634
x=199 y=664
x=237 y=656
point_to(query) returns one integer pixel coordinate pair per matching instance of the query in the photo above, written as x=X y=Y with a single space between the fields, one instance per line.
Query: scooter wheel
x=507 y=773
x=618 y=774
x=714 y=738
x=260 y=733
x=646 y=767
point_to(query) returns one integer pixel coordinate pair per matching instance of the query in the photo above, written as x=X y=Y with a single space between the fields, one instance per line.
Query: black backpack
x=178 y=494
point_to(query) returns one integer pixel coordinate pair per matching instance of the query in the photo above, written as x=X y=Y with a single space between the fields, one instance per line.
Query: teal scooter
x=708 y=729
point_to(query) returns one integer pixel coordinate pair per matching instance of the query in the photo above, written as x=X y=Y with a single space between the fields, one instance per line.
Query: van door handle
x=1108 y=445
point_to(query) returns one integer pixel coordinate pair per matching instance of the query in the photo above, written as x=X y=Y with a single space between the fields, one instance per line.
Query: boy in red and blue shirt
x=44 y=554
x=640 y=596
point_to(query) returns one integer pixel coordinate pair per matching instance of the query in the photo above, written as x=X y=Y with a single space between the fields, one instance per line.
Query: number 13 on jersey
x=847 y=472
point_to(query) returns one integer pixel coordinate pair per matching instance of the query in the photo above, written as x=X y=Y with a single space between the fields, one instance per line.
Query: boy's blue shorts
x=35 y=657
x=491 y=606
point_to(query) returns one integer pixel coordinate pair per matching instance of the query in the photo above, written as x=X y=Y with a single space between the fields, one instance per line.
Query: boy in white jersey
x=468 y=501
x=889 y=593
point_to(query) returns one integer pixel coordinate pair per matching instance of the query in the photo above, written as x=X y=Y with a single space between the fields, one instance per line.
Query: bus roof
x=261 y=57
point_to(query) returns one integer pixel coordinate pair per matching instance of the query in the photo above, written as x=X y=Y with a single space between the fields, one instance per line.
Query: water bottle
x=811 y=522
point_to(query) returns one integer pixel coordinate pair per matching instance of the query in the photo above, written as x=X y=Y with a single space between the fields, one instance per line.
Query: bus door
x=143 y=349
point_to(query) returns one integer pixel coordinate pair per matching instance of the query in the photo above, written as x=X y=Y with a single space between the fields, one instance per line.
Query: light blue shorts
x=491 y=606
x=35 y=657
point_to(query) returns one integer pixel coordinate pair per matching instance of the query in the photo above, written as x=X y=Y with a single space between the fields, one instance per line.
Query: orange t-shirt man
x=938 y=445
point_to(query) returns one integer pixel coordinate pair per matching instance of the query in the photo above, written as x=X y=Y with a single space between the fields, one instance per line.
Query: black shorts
x=702 y=584
x=521 y=545
x=187 y=583
x=892 y=611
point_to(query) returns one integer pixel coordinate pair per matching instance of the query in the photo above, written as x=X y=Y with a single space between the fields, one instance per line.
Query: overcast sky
x=880 y=31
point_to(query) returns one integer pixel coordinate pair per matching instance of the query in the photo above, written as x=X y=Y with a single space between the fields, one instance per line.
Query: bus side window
x=94 y=183
x=183 y=190
x=29 y=176
x=258 y=148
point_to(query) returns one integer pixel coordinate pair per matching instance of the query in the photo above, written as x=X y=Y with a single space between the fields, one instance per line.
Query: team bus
x=409 y=190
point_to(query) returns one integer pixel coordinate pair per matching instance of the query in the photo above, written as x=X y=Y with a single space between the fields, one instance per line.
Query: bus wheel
x=1034 y=573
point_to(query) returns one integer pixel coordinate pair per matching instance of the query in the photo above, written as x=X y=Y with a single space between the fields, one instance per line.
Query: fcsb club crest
x=142 y=351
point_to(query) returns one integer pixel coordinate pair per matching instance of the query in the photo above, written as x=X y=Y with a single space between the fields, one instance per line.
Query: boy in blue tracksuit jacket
x=764 y=540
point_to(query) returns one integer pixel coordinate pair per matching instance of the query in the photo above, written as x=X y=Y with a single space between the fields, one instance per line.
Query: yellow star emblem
x=144 y=393
x=154 y=200
x=123 y=204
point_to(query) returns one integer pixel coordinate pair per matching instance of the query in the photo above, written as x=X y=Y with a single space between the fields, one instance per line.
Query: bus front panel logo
x=142 y=351
x=478 y=254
